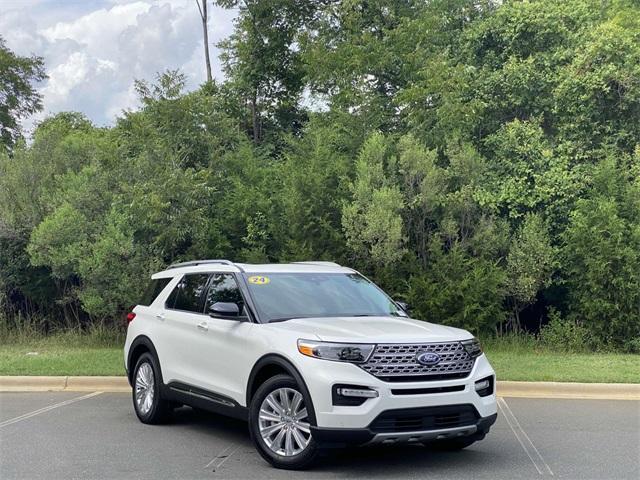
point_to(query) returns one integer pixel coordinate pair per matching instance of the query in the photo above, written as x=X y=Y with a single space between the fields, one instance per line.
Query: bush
x=601 y=254
x=565 y=335
x=633 y=345
x=459 y=290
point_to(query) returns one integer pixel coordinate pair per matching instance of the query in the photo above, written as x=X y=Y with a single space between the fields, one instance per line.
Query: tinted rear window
x=189 y=293
x=153 y=290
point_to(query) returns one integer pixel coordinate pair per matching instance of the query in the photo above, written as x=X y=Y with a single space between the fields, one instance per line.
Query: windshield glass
x=282 y=296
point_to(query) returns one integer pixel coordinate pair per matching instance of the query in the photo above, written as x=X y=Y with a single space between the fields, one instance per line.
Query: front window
x=223 y=288
x=282 y=296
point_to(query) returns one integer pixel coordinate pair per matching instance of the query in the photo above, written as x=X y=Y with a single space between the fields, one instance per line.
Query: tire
x=291 y=446
x=148 y=403
x=452 y=444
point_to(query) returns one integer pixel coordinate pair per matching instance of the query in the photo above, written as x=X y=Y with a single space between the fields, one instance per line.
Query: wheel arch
x=273 y=364
x=142 y=344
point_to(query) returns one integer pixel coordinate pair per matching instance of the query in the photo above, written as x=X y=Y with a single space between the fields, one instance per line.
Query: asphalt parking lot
x=96 y=435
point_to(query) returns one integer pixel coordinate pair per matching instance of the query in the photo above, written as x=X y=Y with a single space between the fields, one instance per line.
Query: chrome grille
x=396 y=361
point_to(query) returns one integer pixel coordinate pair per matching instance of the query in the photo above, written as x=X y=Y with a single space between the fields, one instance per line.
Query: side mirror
x=228 y=310
x=404 y=306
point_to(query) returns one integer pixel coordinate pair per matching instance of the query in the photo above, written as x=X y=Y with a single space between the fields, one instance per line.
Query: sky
x=94 y=49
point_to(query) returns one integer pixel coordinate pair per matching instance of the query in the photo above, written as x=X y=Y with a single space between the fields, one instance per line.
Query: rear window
x=189 y=293
x=153 y=290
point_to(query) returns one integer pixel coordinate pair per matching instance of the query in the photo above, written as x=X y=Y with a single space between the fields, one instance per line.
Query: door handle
x=160 y=316
x=204 y=326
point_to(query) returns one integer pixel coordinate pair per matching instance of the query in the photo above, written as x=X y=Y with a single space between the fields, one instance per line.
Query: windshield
x=282 y=296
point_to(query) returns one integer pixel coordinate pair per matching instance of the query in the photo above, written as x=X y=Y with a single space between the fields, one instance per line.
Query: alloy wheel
x=144 y=386
x=284 y=422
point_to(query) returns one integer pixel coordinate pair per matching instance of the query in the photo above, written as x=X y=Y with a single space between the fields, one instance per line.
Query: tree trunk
x=516 y=312
x=205 y=19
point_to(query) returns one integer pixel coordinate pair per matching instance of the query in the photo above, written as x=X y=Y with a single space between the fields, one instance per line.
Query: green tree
x=424 y=186
x=18 y=97
x=263 y=63
x=361 y=56
x=530 y=264
x=315 y=174
x=372 y=222
x=476 y=158
x=601 y=254
x=459 y=290
x=597 y=96
x=28 y=182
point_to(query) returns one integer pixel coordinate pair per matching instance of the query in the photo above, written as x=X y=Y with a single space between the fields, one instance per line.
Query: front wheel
x=280 y=422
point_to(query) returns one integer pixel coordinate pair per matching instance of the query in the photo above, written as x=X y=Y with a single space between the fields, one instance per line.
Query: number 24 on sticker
x=257 y=280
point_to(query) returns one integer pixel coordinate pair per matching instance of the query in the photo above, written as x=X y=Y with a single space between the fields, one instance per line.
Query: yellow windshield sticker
x=258 y=280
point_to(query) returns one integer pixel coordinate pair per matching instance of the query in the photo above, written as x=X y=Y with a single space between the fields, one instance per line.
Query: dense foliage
x=18 y=97
x=479 y=159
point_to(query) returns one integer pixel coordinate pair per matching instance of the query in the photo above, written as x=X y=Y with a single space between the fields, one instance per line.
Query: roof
x=205 y=266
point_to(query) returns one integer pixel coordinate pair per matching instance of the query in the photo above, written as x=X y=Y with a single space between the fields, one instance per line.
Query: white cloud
x=65 y=76
x=94 y=50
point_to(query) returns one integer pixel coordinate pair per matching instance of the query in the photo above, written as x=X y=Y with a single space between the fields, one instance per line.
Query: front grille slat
x=397 y=362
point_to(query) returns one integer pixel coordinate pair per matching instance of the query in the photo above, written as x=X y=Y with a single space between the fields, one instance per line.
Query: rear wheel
x=280 y=422
x=148 y=403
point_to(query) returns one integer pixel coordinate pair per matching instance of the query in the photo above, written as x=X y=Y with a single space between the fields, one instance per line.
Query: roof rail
x=318 y=262
x=193 y=263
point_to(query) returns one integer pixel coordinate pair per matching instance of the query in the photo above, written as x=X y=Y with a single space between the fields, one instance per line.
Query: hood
x=372 y=330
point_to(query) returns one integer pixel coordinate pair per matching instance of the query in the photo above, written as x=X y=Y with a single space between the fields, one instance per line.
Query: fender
x=285 y=364
x=146 y=341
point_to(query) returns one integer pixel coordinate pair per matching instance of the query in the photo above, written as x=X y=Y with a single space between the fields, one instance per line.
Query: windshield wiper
x=282 y=319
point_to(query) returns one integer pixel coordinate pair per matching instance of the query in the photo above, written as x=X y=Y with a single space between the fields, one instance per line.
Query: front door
x=222 y=347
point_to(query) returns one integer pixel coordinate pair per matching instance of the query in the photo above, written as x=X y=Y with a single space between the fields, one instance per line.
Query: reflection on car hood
x=373 y=330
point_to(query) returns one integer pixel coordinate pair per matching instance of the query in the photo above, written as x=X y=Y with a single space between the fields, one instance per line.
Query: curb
x=63 y=384
x=586 y=391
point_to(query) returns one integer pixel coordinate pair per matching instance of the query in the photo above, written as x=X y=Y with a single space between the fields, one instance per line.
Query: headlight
x=339 y=352
x=472 y=347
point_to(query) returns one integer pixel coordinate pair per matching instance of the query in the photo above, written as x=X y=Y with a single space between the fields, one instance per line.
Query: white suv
x=312 y=354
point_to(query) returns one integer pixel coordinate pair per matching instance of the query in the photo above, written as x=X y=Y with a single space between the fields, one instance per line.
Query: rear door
x=183 y=322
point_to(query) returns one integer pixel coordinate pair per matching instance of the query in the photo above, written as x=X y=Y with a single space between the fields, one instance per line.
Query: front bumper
x=339 y=437
x=321 y=375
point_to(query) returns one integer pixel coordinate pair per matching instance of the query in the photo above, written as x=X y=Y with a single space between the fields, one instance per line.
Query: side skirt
x=204 y=399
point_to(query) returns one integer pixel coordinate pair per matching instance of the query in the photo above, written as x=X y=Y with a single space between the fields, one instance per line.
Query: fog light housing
x=484 y=386
x=351 y=395
x=357 y=392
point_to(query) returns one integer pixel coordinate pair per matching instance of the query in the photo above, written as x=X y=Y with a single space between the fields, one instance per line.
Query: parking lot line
x=523 y=438
x=222 y=456
x=26 y=416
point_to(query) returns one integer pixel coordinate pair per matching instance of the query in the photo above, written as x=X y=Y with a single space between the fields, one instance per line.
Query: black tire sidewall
x=299 y=461
x=157 y=412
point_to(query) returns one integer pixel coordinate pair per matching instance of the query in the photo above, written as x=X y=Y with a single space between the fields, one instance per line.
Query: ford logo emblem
x=428 y=358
